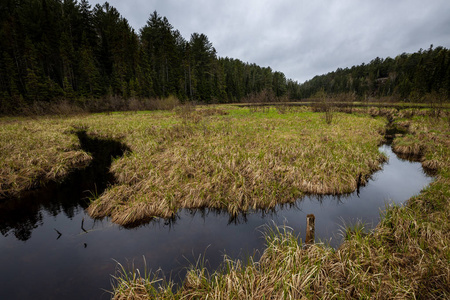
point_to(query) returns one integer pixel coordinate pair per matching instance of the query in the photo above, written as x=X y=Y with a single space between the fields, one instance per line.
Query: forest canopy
x=67 y=49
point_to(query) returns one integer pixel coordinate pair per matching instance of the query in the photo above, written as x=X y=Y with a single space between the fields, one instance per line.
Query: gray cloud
x=303 y=38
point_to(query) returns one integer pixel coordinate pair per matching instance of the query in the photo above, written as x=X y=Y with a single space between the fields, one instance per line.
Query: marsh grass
x=238 y=159
x=353 y=231
x=428 y=140
x=34 y=152
x=233 y=159
x=405 y=257
x=130 y=283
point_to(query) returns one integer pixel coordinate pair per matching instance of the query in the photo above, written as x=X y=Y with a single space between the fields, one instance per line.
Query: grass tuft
x=131 y=284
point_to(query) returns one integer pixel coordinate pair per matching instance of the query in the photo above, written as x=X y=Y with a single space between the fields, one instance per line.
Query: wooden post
x=310 y=229
x=358 y=184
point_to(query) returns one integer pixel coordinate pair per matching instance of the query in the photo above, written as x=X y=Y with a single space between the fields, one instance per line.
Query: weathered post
x=310 y=229
x=358 y=184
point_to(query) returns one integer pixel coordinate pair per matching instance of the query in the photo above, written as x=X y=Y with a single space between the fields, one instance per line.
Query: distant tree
x=159 y=41
x=203 y=57
x=279 y=84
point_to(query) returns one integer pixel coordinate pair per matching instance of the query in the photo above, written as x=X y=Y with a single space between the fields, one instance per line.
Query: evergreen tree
x=203 y=56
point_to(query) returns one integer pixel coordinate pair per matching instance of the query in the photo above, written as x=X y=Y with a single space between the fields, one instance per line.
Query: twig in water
x=82 y=225
x=59 y=233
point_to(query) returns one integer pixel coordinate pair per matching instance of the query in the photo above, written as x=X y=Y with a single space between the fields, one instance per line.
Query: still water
x=50 y=249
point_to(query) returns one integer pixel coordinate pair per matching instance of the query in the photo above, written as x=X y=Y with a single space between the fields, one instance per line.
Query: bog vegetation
x=232 y=159
x=34 y=152
x=229 y=158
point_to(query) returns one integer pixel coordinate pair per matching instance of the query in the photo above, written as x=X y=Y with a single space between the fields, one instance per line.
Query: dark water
x=50 y=249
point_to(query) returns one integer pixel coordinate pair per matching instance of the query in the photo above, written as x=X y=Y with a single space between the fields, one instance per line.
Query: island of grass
x=229 y=158
x=232 y=159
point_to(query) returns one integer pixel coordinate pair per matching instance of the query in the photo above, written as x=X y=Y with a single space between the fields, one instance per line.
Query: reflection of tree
x=21 y=216
x=19 y=219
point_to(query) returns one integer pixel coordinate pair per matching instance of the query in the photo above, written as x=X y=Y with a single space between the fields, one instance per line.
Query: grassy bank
x=35 y=151
x=233 y=159
x=406 y=257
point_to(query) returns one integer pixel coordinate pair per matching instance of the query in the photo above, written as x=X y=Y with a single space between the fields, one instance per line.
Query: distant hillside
x=407 y=77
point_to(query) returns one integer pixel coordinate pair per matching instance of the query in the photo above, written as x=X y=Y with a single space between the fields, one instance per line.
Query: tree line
x=407 y=77
x=67 y=49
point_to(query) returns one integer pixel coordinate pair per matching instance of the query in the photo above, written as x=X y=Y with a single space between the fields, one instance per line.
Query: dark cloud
x=303 y=38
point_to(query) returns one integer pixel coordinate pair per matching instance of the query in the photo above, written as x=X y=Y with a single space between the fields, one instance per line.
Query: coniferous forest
x=407 y=77
x=54 y=50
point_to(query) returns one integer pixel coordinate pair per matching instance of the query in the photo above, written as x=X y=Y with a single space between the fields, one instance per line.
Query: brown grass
x=238 y=161
x=33 y=152
x=428 y=140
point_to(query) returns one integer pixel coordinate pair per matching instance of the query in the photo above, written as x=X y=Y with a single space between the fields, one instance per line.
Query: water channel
x=50 y=249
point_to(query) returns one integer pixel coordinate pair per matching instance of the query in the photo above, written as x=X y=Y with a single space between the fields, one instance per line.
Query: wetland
x=51 y=242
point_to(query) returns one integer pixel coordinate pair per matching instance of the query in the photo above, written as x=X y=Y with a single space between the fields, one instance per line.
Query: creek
x=51 y=249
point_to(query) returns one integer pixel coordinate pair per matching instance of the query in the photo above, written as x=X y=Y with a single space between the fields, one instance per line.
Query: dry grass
x=429 y=140
x=33 y=152
x=406 y=257
x=137 y=286
x=233 y=160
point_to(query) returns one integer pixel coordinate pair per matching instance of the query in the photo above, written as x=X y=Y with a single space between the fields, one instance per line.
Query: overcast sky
x=302 y=38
